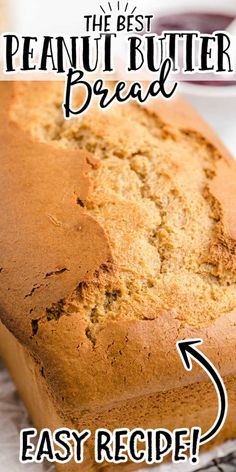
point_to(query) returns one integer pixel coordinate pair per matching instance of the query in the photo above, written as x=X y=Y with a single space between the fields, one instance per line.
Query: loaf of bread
x=117 y=239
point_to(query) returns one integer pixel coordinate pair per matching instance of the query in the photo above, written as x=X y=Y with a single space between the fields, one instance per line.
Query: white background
x=65 y=16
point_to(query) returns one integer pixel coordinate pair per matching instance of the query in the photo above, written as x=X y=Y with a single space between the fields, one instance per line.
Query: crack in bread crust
x=151 y=192
x=136 y=196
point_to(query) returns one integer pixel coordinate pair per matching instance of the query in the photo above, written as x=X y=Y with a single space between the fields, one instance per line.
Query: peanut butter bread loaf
x=117 y=239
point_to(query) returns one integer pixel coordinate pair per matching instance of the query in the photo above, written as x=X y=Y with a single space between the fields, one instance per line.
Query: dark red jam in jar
x=206 y=23
x=203 y=22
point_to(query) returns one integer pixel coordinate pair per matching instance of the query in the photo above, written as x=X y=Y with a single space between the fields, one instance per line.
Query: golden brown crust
x=160 y=410
x=47 y=240
x=130 y=359
x=126 y=358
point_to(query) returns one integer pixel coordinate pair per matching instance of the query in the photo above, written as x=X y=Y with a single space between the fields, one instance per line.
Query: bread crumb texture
x=151 y=194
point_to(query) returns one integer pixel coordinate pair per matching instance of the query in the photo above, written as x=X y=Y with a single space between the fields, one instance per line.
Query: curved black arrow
x=187 y=352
